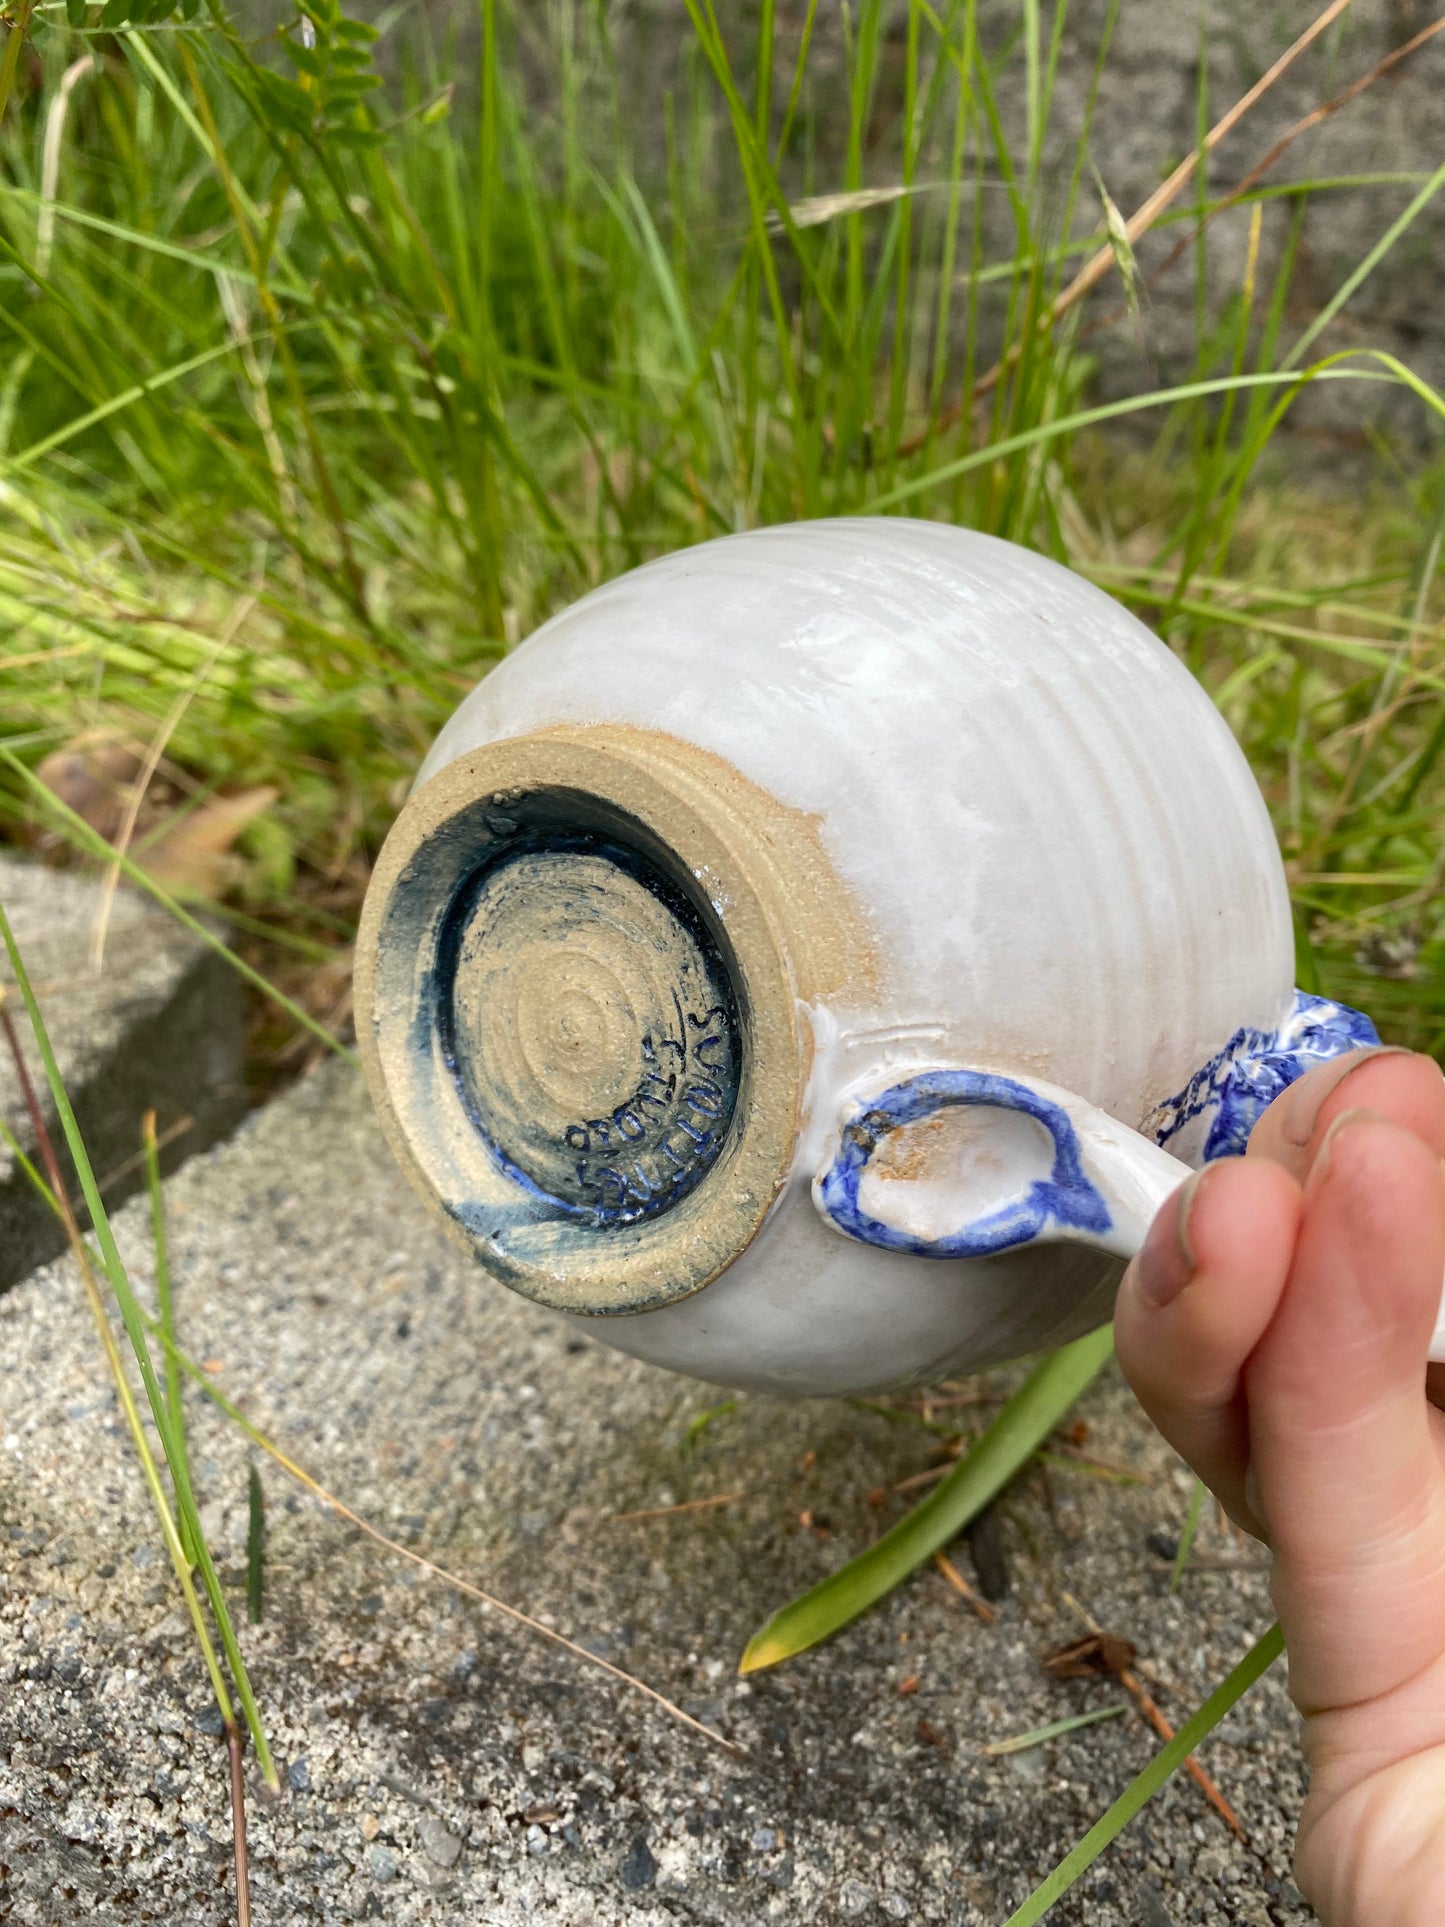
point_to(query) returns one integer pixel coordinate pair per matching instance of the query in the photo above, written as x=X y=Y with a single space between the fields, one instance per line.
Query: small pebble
x=639 y=1869
x=1152 y=1911
x=382 y=1862
x=438 y=1842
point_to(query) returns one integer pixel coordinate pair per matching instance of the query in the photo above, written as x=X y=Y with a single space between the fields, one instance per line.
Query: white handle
x=1003 y=1186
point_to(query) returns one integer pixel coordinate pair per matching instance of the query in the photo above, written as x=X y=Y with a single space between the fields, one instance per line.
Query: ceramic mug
x=810 y=959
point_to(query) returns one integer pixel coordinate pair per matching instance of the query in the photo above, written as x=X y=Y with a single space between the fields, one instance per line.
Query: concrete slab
x=441 y=1764
x=158 y=1027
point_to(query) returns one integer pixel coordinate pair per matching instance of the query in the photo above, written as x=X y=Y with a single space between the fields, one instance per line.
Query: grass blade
x=135 y=1330
x=170 y=1533
x=255 y=1528
x=1361 y=273
x=1012 y=1439
x=1063 y=426
x=1257 y=1661
x=1024 y=1742
x=174 y=1405
x=1186 y=1537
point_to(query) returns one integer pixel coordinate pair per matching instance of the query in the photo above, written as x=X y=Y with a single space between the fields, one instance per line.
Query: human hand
x=1275 y=1328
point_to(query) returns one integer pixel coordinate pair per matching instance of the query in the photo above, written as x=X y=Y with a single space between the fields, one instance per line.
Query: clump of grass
x=175 y=1510
x=318 y=396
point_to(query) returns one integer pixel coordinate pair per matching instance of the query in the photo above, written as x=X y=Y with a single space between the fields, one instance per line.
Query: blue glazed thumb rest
x=1225 y=1099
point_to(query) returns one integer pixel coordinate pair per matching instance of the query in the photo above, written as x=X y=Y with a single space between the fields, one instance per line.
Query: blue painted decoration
x=1235 y=1088
x=1065 y=1198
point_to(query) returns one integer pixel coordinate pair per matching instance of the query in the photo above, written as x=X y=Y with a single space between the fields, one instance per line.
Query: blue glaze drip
x=1065 y=1198
x=1238 y=1084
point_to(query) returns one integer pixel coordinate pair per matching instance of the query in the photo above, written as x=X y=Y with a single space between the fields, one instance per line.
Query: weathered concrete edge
x=182 y=1057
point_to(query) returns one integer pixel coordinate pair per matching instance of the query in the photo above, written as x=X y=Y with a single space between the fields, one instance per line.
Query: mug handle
x=1093 y=1181
x=1080 y=1177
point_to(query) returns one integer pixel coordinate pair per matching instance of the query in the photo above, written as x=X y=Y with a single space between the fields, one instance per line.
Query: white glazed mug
x=810 y=959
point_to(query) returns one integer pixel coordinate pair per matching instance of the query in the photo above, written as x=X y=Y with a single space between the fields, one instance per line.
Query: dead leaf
x=92 y=775
x=1096 y=1653
x=193 y=854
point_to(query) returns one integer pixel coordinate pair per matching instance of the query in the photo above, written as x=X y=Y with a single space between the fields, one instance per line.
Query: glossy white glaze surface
x=1065 y=863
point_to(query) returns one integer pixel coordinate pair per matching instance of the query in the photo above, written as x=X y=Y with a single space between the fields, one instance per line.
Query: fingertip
x=1341 y=1435
x=1232 y=1228
x=1245 y=1221
x=1400 y=1084
x=1198 y=1298
x=1374 y=1224
x=1355 y=1322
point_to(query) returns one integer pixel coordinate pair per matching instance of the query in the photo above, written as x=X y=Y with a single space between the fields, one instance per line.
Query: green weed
x=315 y=397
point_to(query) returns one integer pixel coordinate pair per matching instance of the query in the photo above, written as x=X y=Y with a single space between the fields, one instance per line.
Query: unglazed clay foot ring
x=576 y=996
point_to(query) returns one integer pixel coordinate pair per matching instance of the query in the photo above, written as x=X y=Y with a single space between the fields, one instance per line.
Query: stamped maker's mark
x=671 y=1128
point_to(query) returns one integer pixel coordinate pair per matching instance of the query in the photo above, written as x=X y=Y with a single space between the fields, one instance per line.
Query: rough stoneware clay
x=811 y=958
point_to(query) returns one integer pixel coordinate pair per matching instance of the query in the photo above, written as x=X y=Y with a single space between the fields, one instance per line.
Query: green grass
x=1041 y=1403
x=315 y=397
x=176 y=1512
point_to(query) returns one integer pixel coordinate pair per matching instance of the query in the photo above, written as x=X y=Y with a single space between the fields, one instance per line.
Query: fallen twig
x=123 y=1170
x=688 y=1505
x=1302 y=126
x=465 y=1586
x=238 y=1824
x=1141 y=1698
x=965 y=1592
x=1143 y=218
x=1102 y=1652
x=329 y=1499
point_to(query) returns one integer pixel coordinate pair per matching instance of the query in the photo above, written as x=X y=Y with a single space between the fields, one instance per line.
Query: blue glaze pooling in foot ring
x=1234 y=1089
x=1065 y=1198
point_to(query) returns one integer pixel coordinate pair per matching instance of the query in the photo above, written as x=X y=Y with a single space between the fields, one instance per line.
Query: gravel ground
x=440 y=1764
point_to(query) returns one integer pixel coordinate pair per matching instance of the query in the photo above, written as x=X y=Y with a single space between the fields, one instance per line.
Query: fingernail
x=1359 y=1114
x=1166 y=1262
x=1307 y=1098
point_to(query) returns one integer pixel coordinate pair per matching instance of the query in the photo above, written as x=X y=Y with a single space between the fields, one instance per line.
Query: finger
x=1399 y=1084
x=1345 y=1462
x=1195 y=1303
